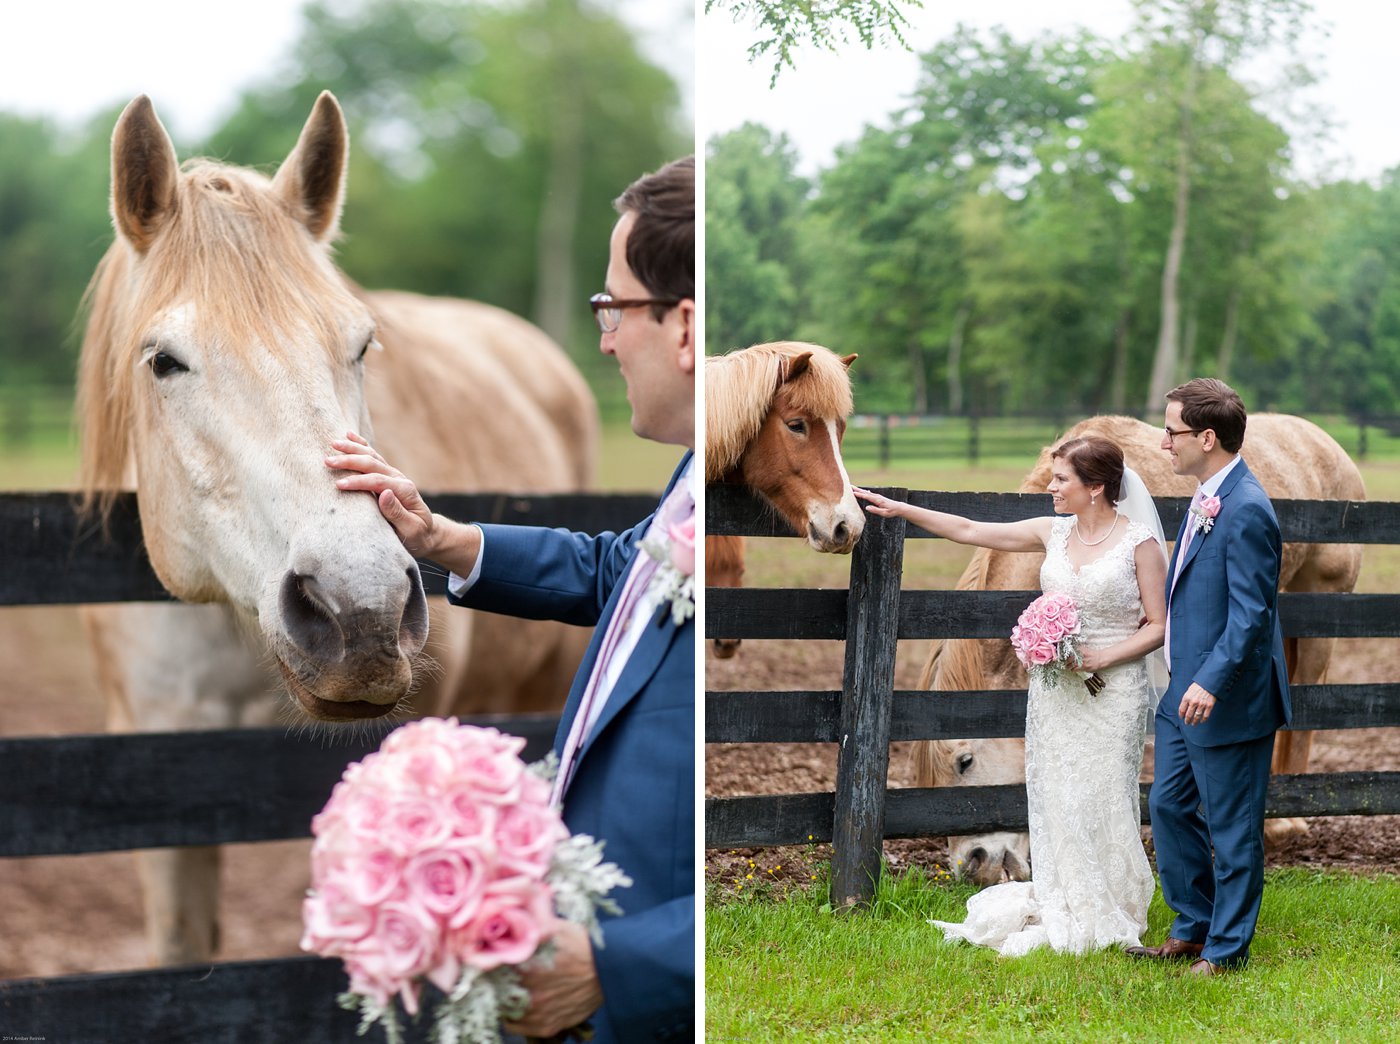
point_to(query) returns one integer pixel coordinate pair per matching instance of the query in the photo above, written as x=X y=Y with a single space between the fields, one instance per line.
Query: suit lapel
x=642 y=662
x=1226 y=488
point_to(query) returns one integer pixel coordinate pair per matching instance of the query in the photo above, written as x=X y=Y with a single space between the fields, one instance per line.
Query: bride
x=1090 y=880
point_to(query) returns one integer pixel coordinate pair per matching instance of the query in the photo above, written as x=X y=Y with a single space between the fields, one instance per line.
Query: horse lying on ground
x=775 y=415
x=1293 y=460
x=223 y=351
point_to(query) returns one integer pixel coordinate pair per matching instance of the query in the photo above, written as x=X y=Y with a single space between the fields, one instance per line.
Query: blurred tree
x=753 y=200
x=1183 y=42
x=488 y=142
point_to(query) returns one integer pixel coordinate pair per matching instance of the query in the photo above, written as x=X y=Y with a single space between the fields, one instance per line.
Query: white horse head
x=224 y=351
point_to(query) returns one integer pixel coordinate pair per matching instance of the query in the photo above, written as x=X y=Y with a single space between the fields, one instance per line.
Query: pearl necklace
x=1100 y=540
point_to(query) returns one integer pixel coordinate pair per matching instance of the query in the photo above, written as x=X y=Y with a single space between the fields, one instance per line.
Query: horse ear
x=846 y=360
x=312 y=177
x=795 y=368
x=144 y=174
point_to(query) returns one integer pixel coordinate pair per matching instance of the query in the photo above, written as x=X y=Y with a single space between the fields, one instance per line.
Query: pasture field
x=1325 y=966
x=625 y=463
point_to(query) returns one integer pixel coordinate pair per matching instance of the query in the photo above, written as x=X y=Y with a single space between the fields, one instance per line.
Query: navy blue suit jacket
x=634 y=787
x=1225 y=632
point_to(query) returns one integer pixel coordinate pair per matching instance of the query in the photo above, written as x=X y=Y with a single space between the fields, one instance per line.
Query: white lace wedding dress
x=1090 y=880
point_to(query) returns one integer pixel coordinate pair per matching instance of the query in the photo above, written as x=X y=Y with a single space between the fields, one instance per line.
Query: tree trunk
x=955 y=347
x=555 y=306
x=1164 y=363
x=1118 y=384
x=1229 y=335
x=917 y=376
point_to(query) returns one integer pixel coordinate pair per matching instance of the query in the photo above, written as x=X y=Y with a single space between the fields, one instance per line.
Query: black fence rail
x=76 y=794
x=867 y=714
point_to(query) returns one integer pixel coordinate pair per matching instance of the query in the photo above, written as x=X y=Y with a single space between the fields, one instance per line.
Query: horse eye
x=163 y=365
x=365 y=350
x=798 y=427
x=964 y=763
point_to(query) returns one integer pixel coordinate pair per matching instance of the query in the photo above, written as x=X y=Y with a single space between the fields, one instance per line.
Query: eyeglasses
x=1172 y=433
x=607 y=313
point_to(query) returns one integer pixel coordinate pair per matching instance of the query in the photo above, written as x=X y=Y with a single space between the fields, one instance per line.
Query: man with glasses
x=627 y=736
x=1228 y=692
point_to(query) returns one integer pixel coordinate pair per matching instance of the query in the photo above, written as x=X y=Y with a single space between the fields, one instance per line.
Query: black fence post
x=867 y=693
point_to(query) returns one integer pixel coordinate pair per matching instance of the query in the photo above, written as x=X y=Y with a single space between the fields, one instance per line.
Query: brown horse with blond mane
x=775 y=415
x=224 y=351
x=1293 y=460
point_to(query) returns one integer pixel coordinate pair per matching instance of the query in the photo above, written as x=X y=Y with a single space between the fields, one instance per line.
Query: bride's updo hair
x=1095 y=460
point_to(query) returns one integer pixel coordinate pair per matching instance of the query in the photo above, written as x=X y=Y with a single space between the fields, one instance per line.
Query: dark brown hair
x=661 y=243
x=1095 y=460
x=1210 y=403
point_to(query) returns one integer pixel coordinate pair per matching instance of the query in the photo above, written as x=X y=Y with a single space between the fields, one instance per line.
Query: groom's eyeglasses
x=1172 y=433
x=607 y=312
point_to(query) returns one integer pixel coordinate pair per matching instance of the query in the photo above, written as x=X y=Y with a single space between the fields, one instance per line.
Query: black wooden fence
x=74 y=794
x=867 y=714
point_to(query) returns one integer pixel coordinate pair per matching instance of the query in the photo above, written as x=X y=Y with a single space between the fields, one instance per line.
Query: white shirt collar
x=1211 y=486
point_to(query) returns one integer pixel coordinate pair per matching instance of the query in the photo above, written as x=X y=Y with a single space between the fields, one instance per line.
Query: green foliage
x=785 y=25
x=751 y=226
x=999 y=244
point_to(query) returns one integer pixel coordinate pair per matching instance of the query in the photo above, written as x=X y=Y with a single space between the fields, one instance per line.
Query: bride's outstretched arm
x=1151 y=578
x=1029 y=534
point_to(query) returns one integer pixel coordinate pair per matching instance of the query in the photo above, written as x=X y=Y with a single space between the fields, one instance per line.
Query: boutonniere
x=673 y=583
x=1203 y=514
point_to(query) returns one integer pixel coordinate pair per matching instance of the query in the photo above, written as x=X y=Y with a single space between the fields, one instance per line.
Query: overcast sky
x=72 y=58
x=828 y=99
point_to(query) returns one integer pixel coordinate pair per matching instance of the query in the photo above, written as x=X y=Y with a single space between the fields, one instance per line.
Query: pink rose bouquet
x=1046 y=638
x=439 y=859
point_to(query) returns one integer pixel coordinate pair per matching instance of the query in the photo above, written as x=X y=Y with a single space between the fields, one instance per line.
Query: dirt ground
x=1357 y=842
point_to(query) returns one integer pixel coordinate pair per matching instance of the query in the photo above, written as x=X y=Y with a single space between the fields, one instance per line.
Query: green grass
x=1325 y=966
x=49 y=460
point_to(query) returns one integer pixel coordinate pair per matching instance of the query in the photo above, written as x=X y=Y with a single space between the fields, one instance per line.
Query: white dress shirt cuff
x=459 y=586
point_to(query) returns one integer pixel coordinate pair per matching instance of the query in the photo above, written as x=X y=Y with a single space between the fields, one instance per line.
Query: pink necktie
x=676 y=508
x=1181 y=561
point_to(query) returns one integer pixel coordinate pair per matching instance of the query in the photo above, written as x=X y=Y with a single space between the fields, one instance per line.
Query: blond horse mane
x=739 y=389
x=234 y=251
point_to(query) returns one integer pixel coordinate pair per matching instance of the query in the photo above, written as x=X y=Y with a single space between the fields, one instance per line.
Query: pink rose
x=1042 y=654
x=332 y=918
x=447 y=882
x=526 y=838
x=683 y=546
x=369 y=877
x=466 y=816
x=1210 y=506
x=496 y=777
x=406 y=939
x=1069 y=619
x=516 y=915
x=414 y=825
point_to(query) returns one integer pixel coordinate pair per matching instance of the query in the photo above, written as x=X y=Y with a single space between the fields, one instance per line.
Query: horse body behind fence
x=223 y=352
x=1293 y=460
x=775 y=415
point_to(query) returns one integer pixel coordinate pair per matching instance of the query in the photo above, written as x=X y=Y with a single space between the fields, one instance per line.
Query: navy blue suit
x=1211 y=778
x=634 y=786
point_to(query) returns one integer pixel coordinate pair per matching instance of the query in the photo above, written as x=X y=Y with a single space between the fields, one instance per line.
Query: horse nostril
x=975 y=859
x=841 y=535
x=310 y=620
x=413 y=627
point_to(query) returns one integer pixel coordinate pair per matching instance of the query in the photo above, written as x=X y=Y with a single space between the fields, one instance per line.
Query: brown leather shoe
x=1203 y=969
x=1170 y=950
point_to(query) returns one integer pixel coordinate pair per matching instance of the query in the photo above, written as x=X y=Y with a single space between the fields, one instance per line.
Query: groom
x=627 y=735
x=1228 y=692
